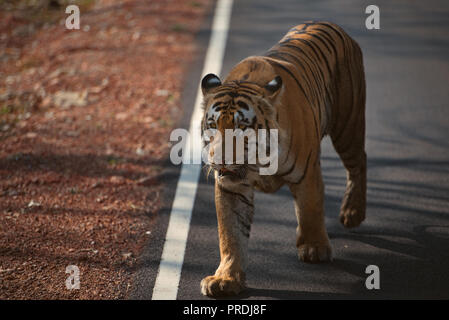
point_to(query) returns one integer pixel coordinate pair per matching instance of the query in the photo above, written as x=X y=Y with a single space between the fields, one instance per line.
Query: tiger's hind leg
x=353 y=206
x=348 y=138
x=351 y=148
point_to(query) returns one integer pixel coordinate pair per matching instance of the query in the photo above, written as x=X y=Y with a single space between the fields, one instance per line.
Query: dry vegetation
x=84 y=122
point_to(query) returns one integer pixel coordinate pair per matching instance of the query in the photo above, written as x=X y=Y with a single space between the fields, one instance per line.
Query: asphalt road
x=406 y=233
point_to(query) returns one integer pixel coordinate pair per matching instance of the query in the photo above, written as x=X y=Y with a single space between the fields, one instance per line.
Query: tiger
x=309 y=85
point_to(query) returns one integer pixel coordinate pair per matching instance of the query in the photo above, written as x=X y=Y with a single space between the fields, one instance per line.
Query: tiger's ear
x=209 y=81
x=274 y=85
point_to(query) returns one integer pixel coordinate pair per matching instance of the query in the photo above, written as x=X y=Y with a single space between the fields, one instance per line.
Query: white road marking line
x=167 y=281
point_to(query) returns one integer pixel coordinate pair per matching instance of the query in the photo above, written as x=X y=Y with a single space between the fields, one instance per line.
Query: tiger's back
x=322 y=52
x=324 y=92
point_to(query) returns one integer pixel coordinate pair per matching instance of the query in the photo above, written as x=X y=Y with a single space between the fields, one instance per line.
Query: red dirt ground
x=85 y=117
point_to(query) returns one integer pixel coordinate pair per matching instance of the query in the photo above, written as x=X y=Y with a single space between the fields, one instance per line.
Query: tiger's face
x=233 y=111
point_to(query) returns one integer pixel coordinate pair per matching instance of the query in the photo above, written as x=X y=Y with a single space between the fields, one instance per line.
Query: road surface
x=406 y=233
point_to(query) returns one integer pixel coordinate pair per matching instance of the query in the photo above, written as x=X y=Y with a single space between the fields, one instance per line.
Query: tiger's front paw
x=315 y=253
x=216 y=286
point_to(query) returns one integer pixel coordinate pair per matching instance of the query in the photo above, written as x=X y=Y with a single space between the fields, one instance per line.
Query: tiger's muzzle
x=236 y=172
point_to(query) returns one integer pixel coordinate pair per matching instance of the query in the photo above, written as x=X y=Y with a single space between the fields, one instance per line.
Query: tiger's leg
x=353 y=206
x=348 y=139
x=235 y=211
x=348 y=134
x=311 y=235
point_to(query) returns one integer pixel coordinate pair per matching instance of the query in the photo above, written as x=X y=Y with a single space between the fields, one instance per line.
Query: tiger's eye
x=213 y=125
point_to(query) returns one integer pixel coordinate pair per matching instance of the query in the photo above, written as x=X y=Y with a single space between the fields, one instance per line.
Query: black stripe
x=217 y=104
x=316 y=54
x=225 y=88
x=309 y=67
x=245 y=221
x=289 y=148
x=277 y=52
x=306 y=55
x=241 y=95
x=319 y=49
x=253 y=66
x=321 y=40
x=243 y=84
x=305 y=42
x=299 y=85
x=330 y=75
x=305 y=25
x=266 y=124
x=305 y=169
x=317 y=67
x=280 y=54
x=243 y=105
x=317 y=83
x=333 y=29
x=240 y=196
x=249 y=91
x=329 y=39
x=291 y=75
x=296 y=31
x=253 y=123
x=292 y=167
x=220 y=108
x=227 y=93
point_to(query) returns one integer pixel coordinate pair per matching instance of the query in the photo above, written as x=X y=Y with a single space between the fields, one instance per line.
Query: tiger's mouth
x=238 y=173
x=223 y=172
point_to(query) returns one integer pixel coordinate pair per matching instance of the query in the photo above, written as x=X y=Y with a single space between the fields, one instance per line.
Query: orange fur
x=322 y=92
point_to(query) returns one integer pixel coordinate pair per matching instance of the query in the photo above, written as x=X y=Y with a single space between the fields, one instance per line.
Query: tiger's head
x=242 y=104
